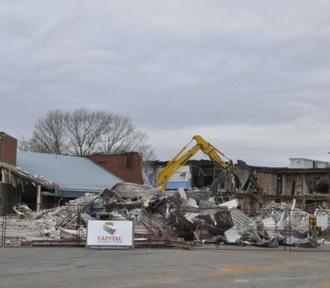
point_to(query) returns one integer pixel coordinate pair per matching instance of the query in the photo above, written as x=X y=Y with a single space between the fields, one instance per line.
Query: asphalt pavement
x=80 y=267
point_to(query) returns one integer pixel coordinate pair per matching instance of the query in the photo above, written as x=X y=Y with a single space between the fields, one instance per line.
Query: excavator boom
x=182 y=157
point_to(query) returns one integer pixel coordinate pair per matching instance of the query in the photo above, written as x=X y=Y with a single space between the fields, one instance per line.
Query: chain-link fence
x=217 y=228
x=23 y=227
x=207 y=227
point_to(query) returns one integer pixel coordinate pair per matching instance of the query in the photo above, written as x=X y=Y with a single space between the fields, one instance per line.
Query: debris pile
x=50 y=224
x=170 y=216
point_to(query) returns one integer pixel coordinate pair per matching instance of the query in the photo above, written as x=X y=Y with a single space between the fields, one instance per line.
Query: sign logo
x=110 y=233
x=108 y=227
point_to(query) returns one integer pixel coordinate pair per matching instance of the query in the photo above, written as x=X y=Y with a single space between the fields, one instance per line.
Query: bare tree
x=146 y=151
x=115 y=140
x=84 y=132
x=85 y=129
x=49 y=134
x=122 y=136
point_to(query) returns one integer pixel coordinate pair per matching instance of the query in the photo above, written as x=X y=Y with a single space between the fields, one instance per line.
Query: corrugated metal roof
x=73 y=174
x=240 y=219
x=232 y=235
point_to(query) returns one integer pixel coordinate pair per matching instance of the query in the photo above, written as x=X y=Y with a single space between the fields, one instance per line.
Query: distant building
x=305 y=163
x=309 y=186
x=41 y=180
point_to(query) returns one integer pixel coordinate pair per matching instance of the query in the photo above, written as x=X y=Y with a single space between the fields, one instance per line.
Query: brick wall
x=127 y=166
x=8 y=149
x=293 y=185
x=267 y=182
x=294 y=182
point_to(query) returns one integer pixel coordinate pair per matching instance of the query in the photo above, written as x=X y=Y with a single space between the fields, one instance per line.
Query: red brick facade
x=8 y=149
x=127 y=166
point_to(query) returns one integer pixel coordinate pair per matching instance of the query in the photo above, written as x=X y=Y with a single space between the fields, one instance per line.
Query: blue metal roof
x=176 y=185
x=73 y=175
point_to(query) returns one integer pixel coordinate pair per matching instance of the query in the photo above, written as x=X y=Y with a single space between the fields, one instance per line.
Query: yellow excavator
x=184 y=155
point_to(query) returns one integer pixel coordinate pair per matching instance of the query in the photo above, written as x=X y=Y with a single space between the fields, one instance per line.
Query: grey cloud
x=173 y=66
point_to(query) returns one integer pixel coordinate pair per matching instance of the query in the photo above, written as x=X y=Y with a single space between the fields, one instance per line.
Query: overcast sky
x=252 y=77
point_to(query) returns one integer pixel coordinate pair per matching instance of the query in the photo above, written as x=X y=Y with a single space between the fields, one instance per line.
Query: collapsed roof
x=72 y=175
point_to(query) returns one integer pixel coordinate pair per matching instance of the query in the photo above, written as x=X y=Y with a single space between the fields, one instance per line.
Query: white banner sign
x=110 y=234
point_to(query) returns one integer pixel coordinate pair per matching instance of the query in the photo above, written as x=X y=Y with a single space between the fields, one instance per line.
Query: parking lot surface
x=79 y=267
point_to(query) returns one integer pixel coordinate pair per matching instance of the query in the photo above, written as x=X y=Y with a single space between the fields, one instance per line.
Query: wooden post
x=283 y=184
x=38 y=197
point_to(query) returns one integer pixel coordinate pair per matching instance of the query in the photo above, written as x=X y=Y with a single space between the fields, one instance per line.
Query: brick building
x=309 y=186
x=127 y=166
x=8 y=149
x=60 y=177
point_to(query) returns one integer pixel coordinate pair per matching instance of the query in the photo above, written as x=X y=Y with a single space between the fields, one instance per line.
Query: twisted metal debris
x=172 y=215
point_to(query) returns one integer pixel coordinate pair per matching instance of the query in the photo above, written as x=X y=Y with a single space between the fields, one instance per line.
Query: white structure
x=180 y=179
x=304 y=163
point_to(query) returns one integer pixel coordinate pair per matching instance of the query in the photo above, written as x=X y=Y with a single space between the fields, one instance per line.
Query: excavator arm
x=183 y=156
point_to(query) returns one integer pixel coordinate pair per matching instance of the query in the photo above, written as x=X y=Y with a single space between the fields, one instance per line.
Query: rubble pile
x=189 y=216
x=47 y=224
